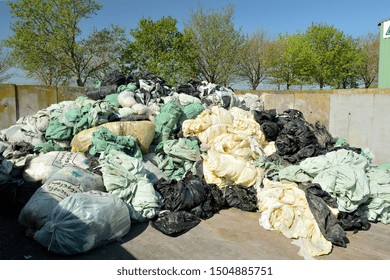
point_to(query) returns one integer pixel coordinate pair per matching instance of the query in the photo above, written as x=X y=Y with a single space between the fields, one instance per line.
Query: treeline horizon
x=48 y=44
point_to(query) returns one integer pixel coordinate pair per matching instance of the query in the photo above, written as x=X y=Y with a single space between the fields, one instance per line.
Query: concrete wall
x=315 y=107
x=359 y=115
x=363 y=121
x=22 y=100
x=7 y=105
x=31 y=99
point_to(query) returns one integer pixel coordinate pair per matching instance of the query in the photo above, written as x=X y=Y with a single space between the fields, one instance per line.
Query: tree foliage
x=253 y=64
x=159 y=47
x=332 y=55
x=288 y=60
x=5 y=65
x=101 y=52
x=47 y=40
x=367 y=68
x=217 y=43
x=47 y=43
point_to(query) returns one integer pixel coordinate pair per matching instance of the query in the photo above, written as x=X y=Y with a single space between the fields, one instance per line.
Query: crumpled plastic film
x=284 y=208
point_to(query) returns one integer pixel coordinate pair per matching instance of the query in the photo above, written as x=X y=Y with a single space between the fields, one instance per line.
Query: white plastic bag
x=84 y=221
x=40 y=168
x=63 y=183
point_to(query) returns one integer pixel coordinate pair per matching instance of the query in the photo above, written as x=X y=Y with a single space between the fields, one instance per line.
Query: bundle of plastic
x=233 y=141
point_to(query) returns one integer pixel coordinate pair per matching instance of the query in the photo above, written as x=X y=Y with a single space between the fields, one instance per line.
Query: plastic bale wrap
x=126 y=177
x=40 y=168
x=167 y=120
x=126 y=98
x=378 y=207
x=284 y=208
x=143 y=131
x=251 y=101
x=63 y=183
x=175 y=223
x=176 y=157
x=209 y=117
x=233 y=141
x=224 y=169
x=104 y=140
x=325 y=216
x=191 y=111
x=15 y=133
x=84 y=221
x=243 y=198
x=341 y=173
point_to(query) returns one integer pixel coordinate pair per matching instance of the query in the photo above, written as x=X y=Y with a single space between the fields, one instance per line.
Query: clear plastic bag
x=84 y=221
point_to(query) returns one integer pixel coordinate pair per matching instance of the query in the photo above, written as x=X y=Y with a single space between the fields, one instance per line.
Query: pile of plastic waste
x=135 y=149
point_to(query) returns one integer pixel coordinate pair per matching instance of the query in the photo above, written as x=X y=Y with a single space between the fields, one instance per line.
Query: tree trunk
x=80 y=82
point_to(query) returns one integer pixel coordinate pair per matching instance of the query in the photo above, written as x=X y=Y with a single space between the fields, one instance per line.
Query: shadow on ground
x=15 y=245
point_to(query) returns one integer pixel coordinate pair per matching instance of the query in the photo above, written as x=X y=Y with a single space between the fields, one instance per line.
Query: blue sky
x=353 y=17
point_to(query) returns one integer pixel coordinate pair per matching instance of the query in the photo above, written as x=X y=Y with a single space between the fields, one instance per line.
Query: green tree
x=46 y=40
x=287 y=60
x=158 y=47
x=253 y=61
x=5 y=65
x=217 y=43
x=367 y=68
x=332 y=56
x=345 y=70
x=101 y=53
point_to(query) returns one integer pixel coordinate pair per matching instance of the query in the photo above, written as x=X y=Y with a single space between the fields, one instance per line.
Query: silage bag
x=65 y=182
x=126 y=177
x=84 y=221
x=40 y=168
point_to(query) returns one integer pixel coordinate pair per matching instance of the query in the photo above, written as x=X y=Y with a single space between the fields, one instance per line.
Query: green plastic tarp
x=350 y=178
x=126 y=177
x=103 y=140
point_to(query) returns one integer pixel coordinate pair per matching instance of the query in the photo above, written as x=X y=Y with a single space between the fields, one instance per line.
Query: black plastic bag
x=271 y=130
x=265 y=116
x=243 y=198
x=190 y=88
x=114 y=78
x=354 y=221
x=324 y=138
x=297 y=141
x=175 y=223
x=213 y=204
x=182 y=195
x=101 y=92
x=289 y=115
x=329 y=225
x=191 y=194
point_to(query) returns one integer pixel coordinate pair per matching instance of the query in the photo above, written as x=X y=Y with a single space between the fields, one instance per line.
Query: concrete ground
x=232 y=234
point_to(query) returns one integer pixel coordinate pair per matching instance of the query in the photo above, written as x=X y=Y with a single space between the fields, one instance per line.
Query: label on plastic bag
x=63 y=159
x=60 y=188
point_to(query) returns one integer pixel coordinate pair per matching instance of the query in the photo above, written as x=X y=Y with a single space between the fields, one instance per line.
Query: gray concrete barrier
x=363 y=121
x=358 y=115
x=7 y=105
x=22 y=100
